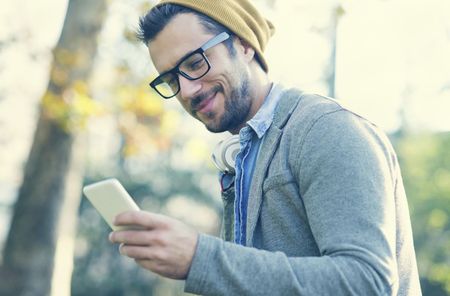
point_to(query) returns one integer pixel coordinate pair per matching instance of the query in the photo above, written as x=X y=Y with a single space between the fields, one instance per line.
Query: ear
x=244 y=48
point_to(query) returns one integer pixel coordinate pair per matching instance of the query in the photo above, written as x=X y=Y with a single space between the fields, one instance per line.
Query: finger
x=132 y=237
x=140 y=218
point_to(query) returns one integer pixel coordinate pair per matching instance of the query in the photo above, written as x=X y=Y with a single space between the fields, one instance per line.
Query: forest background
x=75 y=107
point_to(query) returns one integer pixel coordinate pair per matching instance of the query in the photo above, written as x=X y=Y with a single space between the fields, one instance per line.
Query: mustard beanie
x=240 y=16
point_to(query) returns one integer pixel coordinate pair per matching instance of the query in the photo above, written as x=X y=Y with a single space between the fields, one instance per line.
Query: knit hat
x=240 y=16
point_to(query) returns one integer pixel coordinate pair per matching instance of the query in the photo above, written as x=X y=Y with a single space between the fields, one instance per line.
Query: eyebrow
x=185 y=56
x=179 y=60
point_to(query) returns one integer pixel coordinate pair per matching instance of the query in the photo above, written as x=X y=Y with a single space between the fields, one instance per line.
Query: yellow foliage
x=198 y=149
x=144 y=122
x=54 y=106
x=441 y=273
x=442 y=179
x=140 y=101
x=73 y=108
x=148 y=105
x=170 y=122
x=437 y=219
x=84 y=106
x=64 y=56
x=80 y=87
x=130 y=149
x=59 y=76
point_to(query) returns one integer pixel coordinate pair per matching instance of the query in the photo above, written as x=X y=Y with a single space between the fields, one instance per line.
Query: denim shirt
x=250 y=138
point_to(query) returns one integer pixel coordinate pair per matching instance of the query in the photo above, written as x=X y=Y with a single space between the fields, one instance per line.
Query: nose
x=189 y=88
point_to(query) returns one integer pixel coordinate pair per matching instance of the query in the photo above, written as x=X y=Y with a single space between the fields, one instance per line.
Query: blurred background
x=75 y=108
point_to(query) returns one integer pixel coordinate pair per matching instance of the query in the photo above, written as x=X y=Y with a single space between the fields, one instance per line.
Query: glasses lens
x=195 y=66
x=167 y=85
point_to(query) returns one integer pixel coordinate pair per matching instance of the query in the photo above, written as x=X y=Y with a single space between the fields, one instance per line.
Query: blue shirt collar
x=262 y=120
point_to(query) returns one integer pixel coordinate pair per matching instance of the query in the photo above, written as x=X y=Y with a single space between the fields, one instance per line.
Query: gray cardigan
x=327 y=213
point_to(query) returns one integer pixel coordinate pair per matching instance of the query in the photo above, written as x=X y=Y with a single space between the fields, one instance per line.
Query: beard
x=237 y=106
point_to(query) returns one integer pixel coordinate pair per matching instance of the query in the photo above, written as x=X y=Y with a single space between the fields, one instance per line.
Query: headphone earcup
x=224 y=154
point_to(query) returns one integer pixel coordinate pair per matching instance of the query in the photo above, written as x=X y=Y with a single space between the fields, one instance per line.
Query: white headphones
x=224 y=154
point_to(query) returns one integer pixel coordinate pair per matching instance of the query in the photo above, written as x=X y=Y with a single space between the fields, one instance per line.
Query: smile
x=206 y=105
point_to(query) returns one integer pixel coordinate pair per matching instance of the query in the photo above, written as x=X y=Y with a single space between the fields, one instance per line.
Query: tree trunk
x=337 y=13
x=48 y=199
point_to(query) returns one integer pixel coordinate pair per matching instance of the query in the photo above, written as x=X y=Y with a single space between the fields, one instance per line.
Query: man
x=316 y=204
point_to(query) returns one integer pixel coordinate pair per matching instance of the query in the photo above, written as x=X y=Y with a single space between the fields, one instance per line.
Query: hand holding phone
x=110 y=199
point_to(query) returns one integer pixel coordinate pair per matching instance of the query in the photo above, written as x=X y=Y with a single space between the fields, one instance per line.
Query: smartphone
x=110 y=199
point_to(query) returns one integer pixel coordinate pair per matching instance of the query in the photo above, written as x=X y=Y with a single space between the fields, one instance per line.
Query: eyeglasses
x=193 y=66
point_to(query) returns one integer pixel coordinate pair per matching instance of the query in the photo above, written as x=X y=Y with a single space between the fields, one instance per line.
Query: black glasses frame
x=176 y=70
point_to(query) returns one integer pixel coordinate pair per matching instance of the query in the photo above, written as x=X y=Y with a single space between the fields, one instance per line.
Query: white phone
x=110 y=199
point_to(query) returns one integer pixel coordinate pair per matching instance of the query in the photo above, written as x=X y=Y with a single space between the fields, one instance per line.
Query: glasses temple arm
x=216 y=40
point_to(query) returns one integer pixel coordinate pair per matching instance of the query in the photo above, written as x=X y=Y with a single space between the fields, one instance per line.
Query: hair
x=151 y=24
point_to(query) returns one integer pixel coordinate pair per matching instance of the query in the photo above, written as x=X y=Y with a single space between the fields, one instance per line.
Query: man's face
x=221 y=98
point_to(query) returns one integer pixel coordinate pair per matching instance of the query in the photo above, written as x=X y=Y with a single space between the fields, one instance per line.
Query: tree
x=337 y=12
x=425 y=162
x=47 y=205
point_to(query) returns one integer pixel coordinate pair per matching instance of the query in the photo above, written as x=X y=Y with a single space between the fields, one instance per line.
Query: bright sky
x=392 y=57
